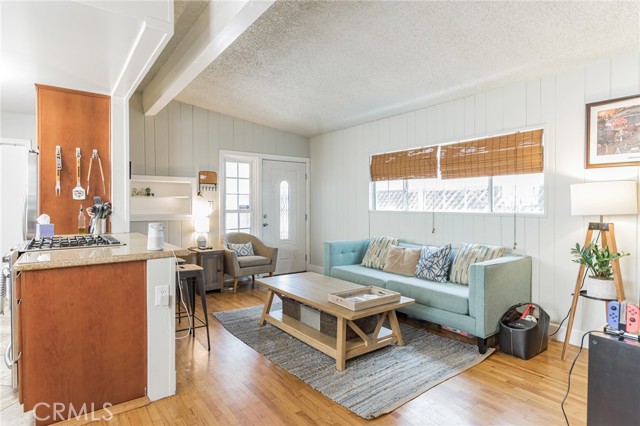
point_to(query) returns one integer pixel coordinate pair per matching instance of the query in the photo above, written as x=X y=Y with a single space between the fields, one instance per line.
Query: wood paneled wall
x=70 y=119
x=183 y=139
x=340 y=179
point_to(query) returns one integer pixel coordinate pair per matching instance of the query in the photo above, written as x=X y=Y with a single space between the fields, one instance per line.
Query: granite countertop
x=135 y=249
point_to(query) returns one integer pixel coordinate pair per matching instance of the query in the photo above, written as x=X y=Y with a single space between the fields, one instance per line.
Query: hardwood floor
x=234 y=385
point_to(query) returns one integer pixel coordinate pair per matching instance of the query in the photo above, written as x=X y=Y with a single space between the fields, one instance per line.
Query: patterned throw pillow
x=468 y=254
x=376 y=254
x=401 y=260
x=242 y=249
x=434 y=263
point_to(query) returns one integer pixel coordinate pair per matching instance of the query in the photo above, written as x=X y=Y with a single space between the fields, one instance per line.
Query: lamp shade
x=201 y=224
x=604 y=198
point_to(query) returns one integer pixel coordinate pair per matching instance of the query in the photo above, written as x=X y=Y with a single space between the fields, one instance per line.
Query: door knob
x=265 y=224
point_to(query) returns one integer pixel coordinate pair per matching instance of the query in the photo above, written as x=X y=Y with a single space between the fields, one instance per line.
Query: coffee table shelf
x=311 y=289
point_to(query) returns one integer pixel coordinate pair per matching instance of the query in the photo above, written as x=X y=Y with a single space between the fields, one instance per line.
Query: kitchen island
x=90 y=334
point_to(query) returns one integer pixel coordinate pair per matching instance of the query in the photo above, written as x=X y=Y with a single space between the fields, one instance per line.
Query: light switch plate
x=162 y=295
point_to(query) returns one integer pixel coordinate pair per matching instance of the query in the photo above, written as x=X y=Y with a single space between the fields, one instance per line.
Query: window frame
x=253 y=193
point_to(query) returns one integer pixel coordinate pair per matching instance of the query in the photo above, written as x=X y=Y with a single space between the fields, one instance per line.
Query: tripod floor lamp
x=599 y=199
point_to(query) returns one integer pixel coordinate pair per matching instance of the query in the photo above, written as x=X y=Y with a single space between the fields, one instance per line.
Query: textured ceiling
x=313 y=67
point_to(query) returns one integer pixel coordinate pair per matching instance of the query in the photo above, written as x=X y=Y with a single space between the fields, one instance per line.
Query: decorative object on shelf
x=207 y=181
x=599 y=199
x=201 y=225
x=613 y=133
x=142 y=192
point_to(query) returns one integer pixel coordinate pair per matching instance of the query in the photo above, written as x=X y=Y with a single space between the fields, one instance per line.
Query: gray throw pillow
x=376 y=254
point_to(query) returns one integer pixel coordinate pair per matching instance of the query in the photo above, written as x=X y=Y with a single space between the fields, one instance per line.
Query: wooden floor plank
x=234 y=385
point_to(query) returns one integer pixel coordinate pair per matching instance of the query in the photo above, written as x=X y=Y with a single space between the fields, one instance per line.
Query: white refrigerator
x=18 y=213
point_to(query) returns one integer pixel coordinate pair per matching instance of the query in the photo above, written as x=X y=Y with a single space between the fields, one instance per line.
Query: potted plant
x=598 y=260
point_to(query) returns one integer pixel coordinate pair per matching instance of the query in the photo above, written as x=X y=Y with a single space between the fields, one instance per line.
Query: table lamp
x=201 y=225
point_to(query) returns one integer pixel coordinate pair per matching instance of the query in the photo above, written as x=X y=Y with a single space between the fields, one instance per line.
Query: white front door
x=284 y=213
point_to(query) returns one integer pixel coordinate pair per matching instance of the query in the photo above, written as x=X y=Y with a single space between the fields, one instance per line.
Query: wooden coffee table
x=312 y=290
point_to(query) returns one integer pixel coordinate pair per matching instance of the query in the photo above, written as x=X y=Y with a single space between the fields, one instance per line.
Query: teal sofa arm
x=338 y=253
x=494 y=286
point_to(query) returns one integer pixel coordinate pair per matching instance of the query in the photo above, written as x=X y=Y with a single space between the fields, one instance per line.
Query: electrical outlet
x=162 y=295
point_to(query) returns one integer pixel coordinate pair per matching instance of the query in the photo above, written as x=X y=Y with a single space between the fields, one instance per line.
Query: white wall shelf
x=172 y=198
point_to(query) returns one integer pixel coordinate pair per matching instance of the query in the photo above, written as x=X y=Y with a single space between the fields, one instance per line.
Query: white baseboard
x=576 y=335
x=315 y=268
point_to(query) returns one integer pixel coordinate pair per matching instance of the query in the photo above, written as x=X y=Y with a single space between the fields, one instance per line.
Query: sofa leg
x=270 y=274
x=482 y=345
x=235 y=285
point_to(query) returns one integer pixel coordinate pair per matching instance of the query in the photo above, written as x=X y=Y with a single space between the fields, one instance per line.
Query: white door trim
x=256 y=188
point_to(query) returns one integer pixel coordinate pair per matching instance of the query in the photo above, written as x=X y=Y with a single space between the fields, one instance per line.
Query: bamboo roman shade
x=419 y=163
x=512 y=154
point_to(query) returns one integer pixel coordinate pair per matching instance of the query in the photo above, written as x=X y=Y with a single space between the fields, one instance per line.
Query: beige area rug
x=373 y=384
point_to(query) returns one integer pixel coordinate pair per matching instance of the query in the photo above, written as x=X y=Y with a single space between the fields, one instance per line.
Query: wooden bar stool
x=189 y=277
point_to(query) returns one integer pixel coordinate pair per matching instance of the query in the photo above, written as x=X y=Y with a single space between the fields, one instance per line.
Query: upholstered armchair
x=263 y=262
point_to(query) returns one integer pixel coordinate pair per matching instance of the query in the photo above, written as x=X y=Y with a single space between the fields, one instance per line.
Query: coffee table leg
x=395 y=326
x=341 y=344
x=267 y=308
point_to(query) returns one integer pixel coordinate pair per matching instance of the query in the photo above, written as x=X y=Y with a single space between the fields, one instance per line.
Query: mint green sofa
x=494 y=286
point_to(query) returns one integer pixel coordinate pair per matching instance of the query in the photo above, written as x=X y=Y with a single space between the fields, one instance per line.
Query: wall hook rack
x=207 y=181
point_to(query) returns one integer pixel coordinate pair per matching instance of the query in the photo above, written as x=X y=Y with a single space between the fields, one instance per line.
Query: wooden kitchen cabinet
x=212 y=261
x=83 y=337
x=72 y=119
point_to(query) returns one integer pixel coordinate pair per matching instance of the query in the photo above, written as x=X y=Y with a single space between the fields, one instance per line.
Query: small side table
x=212 y=261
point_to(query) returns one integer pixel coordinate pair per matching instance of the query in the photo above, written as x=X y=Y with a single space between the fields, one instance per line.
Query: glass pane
x=244 y=170
x=232 y=186
x=244 y=202
x=244 y=186
x=245 y=220
x=246 y=230
x=523 y=193
x=231 y=202
x=232 y=169
x=389 y=195
x=284 y=210
x=231 y=221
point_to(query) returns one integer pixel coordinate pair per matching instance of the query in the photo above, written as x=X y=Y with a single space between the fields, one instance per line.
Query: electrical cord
x=566 y=395
x=584 y=276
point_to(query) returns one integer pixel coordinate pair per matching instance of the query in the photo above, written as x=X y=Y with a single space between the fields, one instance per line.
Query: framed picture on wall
x=613 y=133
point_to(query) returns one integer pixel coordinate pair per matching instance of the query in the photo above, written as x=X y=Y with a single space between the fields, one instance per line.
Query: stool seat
x=180 y=261
x=190 y=275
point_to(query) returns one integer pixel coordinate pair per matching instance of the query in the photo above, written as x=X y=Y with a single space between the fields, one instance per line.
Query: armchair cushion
x=246 y=261
x=242 y=249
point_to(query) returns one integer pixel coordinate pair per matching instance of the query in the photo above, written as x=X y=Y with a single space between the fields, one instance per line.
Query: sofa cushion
x=434 y=263
x=246 y=261
x=468 y=254
x=401 y=260
x=446 y=296
x=376 y=253
x=362 y=275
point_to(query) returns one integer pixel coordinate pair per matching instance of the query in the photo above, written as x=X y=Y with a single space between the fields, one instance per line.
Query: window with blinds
x=512 y=154
x=501 y=174
x=420 y=163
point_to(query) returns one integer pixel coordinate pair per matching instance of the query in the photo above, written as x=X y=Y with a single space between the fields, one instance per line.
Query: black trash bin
x=521 y=338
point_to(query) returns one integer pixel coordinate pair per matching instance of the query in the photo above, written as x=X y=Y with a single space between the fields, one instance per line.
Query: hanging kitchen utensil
x=58 y=169
x=78 y=191
x=95 y=156
x=104 y=188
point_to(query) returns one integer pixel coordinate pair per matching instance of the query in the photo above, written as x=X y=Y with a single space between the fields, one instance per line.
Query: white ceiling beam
x=219 y=26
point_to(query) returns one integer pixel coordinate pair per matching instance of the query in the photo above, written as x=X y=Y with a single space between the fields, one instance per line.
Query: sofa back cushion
x=376 y=254
x=401 y=260
x=434 y=263
x=468 y=254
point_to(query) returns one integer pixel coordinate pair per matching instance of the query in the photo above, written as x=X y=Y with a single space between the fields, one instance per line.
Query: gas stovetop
x=72 y=241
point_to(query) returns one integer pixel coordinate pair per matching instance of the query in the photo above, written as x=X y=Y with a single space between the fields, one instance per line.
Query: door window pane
x=232 y=202
x=244 y=170
x=284 y=210
x=232 y=186
x=245 y=220
x=244 y=187
x=231 y=221
x=232 y=169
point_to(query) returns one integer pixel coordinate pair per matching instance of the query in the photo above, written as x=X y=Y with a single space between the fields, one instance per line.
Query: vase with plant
x=598 y=261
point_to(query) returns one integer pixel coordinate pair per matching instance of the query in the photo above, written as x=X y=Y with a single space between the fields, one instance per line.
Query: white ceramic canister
x=155 y=237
